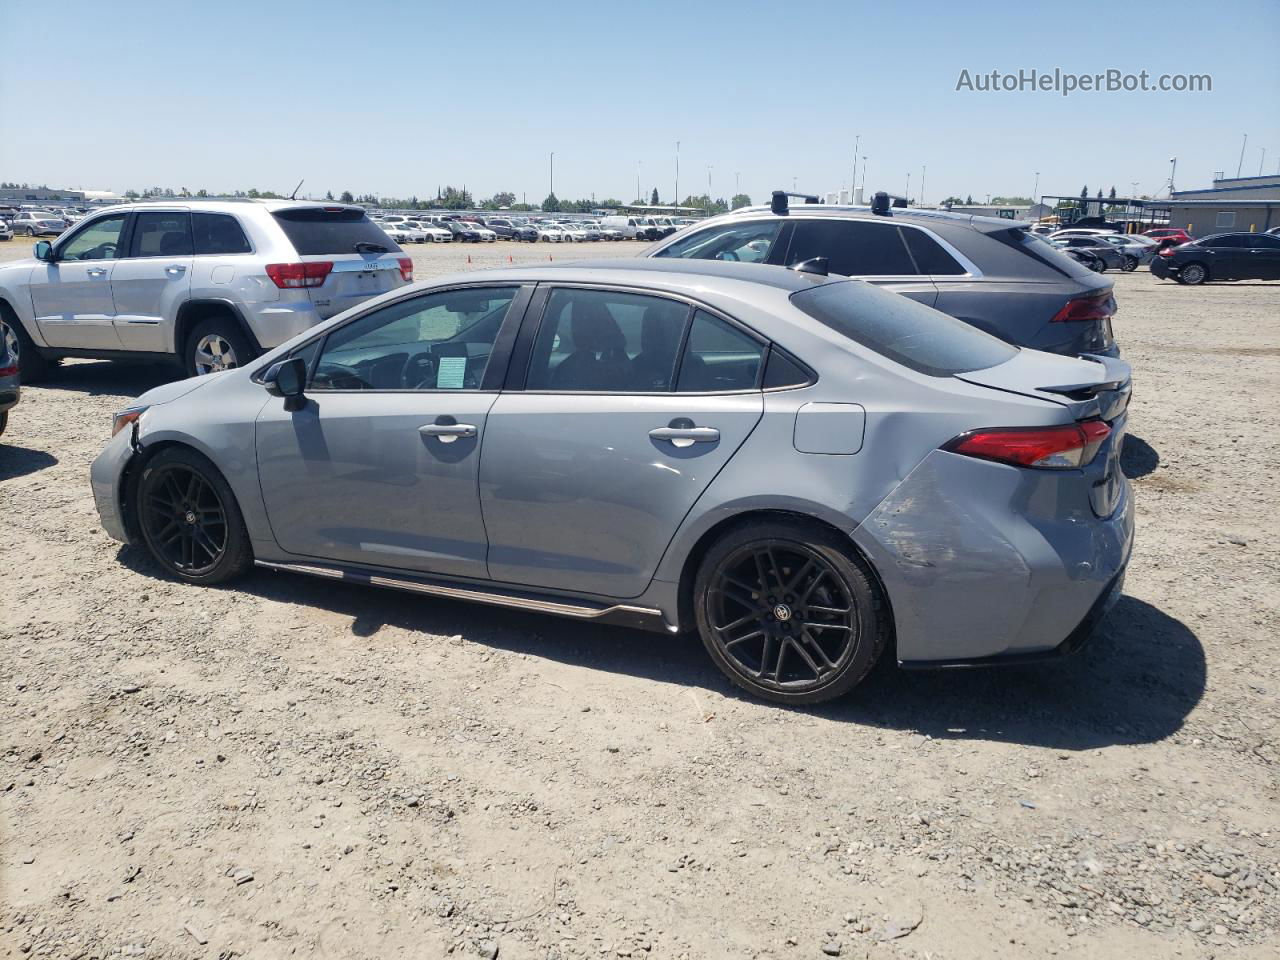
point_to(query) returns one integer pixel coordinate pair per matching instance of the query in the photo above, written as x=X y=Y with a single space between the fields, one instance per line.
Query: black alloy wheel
x=184 y=519
x=790 y=617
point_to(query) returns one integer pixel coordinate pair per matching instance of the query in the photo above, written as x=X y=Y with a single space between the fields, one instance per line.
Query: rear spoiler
x=1111 y=394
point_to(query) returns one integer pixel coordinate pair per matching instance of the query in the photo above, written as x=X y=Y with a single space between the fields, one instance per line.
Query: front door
x=152 y=281
x=380 y=466
x=71 y=296
x=590 y=469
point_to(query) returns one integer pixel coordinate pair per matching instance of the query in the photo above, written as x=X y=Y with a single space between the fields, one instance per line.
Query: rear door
x=623 y=410
x=366 y=262
x=71 y=297
x=1264 y=257
x=869 y=250
x=380 y=465
x=153 y=279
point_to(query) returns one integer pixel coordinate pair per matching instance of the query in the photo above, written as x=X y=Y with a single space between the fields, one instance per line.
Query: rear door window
x=319 y=231
x=218 y=233
x=929 y=255
x=853 y=248
x=719 y=357
x=918 y=337
x=158 y=234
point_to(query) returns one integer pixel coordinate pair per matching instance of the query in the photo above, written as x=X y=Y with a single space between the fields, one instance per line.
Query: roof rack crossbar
x=780 y=204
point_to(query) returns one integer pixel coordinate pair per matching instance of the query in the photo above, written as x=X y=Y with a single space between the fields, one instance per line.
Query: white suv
x=209 y=283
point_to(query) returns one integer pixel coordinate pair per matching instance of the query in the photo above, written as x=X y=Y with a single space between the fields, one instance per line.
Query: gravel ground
x=293 y=767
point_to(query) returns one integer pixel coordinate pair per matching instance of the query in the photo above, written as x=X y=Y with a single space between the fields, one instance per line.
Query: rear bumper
x=989 y=563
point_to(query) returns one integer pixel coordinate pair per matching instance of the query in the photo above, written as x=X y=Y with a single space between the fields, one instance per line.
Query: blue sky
x=397 y=98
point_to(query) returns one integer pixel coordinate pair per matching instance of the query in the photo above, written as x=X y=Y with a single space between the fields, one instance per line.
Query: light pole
x=1241 y=163
x=864 y=172
x=1035 y=192
x=1173 y=168
x=853 y=184
x=677 y=196
x=737 y=182
x=1134 y=193
x=708 y=184
x=639 y=196
x=923 y=169
x=552 y=191
x=908 y=193
x=793 y=184
x=1262 y=159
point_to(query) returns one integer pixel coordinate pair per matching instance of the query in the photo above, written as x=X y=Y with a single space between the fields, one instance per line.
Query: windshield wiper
x=366 y=246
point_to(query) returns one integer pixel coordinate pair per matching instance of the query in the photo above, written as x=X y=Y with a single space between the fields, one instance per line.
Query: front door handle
x=685 y=436
x=176 y=270
x=448 y=432
x=96 y=272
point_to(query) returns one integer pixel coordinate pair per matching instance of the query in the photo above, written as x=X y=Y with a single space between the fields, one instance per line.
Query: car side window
x=98 y=241
x=719 y=356
x=740 y=242
x=1265 y=242
x=440 y=341
x=218 y=233
x=607 y=341
x=1228 y=240
x=930 y=257
x=853 y=247
x=160 y=234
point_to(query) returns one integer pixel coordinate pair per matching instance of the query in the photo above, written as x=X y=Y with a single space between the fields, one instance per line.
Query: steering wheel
x=336 y=376
x=419 y=372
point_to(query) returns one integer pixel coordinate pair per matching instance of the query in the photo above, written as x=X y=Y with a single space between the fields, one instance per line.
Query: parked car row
x=405 y=229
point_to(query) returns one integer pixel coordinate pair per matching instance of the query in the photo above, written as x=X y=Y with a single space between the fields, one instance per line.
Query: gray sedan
x=804 y=470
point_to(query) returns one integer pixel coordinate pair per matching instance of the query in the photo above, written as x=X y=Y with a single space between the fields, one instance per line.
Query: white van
x=632 y=228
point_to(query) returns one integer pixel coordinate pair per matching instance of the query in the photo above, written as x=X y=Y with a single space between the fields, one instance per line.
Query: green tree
x=503 y=198
x=969 y=200
x=131 y=194
x=328 y=195
x=1112 y=194
x=1011 y=201
x=609 y=203
x=346 y=197
x=551 y=204
x=1084 y=192
x=202 y=192
x=653 y=199
x=950 y=201
x=739 y=200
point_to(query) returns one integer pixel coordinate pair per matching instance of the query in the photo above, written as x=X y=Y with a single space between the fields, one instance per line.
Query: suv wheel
x=1193 y=274
x=216 y=345
x=32 y=367
x=789 y=612
x=189 y=517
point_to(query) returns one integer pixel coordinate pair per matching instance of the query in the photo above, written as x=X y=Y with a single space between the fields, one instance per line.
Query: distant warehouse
x=1236 y=204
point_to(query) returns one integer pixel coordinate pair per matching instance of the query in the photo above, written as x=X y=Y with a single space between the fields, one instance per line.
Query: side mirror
x=288 y=379
x=44 y=251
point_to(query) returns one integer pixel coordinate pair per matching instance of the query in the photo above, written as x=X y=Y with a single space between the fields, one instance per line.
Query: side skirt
x=625 y=615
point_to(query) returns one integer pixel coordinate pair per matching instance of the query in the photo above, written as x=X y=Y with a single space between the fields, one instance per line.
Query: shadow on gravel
x=1135 y=682
x=1137 y=457
x=19 y=461
x=109 y=377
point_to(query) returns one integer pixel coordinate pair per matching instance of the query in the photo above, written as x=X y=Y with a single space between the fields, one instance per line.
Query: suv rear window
x=316 y=231
x=918 y=337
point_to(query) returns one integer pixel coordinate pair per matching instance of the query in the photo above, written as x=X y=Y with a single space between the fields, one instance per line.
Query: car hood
x=168 y=392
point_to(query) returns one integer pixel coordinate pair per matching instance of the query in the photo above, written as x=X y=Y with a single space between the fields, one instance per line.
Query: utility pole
x=923 y=169
x=864 y=172
x=1262 y=159
x=1035 y=192
x=708 y=183
x=1241 y=163
x=908 y=192
x=677 y=196
x=638 y=194
x=853 y=184
x=552 y=191
x=737 y=183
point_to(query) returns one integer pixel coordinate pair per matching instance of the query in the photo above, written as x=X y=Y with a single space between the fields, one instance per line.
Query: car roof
x=837 y=211
x=222 y=206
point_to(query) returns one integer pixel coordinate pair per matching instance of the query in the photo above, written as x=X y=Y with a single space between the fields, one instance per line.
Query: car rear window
x=918 y=337
x=1043 y=250
x=316 y=231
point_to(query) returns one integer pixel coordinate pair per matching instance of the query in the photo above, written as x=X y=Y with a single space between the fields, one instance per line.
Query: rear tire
x=189 y=518
x=32 y=366
x=1193 y=274
x=216 y=344
x=789 y=611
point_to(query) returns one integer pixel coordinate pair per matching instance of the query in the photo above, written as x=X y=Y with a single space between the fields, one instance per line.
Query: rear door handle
x=176 y=270
x=685 y=436
x=447 y=432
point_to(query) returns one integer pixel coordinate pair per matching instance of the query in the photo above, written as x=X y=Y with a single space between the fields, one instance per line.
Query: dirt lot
x=291 y=767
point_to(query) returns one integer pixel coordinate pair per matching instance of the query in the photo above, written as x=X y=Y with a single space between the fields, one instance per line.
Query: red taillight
x=1097 y=306
x=406 y=269
x=291 y=275
x=1055 y=448
x=9 y=371
x=1166 y=251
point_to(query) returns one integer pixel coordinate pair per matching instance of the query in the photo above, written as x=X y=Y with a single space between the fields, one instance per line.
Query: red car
x=1169 y=236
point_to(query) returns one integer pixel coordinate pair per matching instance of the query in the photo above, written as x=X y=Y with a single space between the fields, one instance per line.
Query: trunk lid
x=366 y=262
x=1090 y=386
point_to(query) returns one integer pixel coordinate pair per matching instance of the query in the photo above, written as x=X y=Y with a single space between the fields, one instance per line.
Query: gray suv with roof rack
x=992 y=273
x=209 y=283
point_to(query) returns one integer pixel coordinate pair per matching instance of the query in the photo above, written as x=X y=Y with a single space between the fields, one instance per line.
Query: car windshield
x=918 y=337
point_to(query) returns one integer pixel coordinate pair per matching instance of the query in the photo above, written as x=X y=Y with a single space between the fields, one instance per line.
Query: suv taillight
x=1096 y=306
x=1052 y=448
x=406 y=269
x=291 y=275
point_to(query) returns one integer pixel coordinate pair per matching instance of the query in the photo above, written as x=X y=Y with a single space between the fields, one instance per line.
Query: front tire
x=1130 y=264
x=189 y=518
x=215 y=345
x=789 y=611
x=1193 y=274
